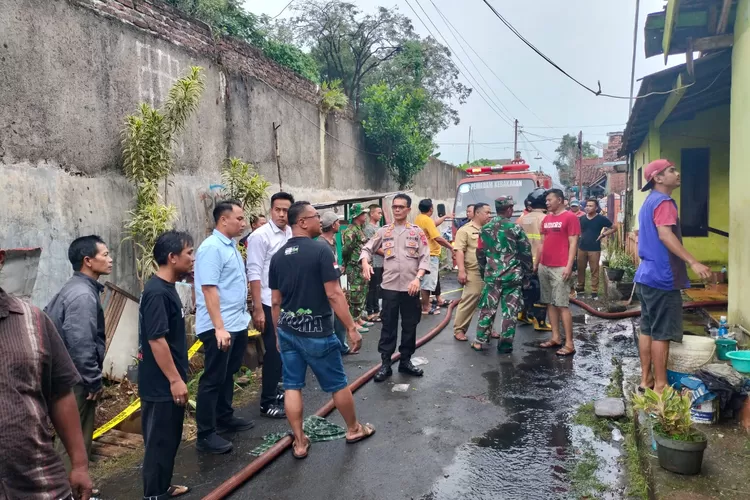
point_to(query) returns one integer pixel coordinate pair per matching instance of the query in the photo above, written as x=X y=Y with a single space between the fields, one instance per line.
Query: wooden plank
x=713 y=43
x=671 y=103
x=721 y=26
x=673 y=10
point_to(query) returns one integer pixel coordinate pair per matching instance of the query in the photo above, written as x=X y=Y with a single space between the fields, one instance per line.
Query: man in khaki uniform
x=406 y=260
x=468 y=269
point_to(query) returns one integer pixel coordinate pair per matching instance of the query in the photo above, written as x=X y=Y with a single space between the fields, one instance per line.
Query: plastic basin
x=724 y=347
x=740 y=360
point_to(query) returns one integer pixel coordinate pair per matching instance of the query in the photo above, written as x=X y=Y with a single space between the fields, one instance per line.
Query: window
x=694 y=173
x=640 y=178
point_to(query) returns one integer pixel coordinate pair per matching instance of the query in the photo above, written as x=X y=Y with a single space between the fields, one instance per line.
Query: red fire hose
x=637 y=312
x=277 y=449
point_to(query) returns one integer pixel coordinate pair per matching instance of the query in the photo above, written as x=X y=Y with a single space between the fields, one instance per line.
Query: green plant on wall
x=147 y=141
x=332 y=97
x=244 y=184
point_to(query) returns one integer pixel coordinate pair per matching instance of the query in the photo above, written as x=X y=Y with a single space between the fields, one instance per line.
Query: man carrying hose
x=305 y=294
x=662 y=274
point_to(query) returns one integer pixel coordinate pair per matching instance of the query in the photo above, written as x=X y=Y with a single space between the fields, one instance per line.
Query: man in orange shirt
x=435 y=241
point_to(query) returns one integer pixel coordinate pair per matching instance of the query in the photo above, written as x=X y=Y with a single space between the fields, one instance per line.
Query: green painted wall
x=739 y=196
x=709 y=129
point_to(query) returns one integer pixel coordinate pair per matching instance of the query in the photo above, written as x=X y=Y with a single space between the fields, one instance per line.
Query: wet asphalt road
x=476 y=426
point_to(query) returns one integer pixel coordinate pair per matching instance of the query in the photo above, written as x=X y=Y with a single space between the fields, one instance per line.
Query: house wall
x=739 y=197
x=709 y=129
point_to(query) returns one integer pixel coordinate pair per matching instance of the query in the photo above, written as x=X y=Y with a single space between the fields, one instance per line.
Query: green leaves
x=396 y=127
x=243 y=183
x=670 y=409
x=333 y=97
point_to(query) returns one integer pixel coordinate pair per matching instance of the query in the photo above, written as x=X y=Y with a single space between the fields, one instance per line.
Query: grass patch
x=583 y=478
x=638 y=486
x=585 y=416
x=614 y=389
x=106 y=467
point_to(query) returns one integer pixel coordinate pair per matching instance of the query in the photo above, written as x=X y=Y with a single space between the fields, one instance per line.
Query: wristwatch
x=420 y=278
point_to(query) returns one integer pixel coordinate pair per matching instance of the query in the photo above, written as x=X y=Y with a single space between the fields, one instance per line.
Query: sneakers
x=235 y=424
x=213 y=444
x=273 y=411
x=384 y=372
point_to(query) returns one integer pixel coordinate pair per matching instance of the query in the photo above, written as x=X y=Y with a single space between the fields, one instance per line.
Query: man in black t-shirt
x=590 y=246
x=304 y=282
x=162 y=374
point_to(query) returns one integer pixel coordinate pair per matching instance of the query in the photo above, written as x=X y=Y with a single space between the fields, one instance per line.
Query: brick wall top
x=166 y=22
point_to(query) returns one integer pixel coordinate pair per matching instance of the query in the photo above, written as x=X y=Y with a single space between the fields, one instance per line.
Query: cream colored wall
x=739 y=196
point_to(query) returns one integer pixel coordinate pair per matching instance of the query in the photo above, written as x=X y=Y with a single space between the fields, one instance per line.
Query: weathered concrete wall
x=73 y=69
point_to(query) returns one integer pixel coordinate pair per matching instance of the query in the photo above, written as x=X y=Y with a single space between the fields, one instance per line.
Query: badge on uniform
x=388 y=252
x=412 y=233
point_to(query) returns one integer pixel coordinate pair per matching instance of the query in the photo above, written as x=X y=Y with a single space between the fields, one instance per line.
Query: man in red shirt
x=560 y=231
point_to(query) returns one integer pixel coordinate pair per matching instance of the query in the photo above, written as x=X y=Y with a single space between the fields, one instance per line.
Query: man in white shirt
x=261 y=246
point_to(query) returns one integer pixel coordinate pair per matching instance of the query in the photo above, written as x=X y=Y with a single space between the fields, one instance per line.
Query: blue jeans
x=340 y=331
x=322 y=355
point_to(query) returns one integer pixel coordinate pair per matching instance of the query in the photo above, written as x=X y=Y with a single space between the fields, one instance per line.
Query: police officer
x=406 y=259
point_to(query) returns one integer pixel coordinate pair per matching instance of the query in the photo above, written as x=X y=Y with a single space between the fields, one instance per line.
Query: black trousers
x=216 y=386
x=161 y=424
x=271 y=362
x=373 y=293
x=410 y=309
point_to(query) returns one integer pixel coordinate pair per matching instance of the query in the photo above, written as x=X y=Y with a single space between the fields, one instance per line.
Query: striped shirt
x=35 y=370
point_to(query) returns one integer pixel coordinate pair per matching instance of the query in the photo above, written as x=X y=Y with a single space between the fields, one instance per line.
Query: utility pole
x=515 y=141
x=580 y=165
x=635 y=48
x=468 y=147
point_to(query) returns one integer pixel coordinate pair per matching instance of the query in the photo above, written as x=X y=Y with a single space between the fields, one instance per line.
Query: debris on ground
x=316 y=428
x=400 y=388
x=609 y=408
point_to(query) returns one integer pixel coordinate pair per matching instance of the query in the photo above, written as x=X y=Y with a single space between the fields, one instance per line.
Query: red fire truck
x=485 y=184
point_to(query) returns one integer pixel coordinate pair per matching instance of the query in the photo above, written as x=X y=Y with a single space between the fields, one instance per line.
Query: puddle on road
x=532 y=453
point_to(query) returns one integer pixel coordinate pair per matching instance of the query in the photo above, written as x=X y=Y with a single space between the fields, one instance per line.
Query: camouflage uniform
x=352 y=240
x=507 y=253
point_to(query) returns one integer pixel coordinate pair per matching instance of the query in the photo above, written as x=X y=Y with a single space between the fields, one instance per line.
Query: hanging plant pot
x=681 y=457
x=615 y=274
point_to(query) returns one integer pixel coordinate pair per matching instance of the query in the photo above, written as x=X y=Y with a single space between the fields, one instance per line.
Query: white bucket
x=691 y=354
x=703 y=413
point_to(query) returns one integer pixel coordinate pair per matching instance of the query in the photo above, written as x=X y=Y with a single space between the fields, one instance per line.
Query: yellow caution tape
x=135 y=405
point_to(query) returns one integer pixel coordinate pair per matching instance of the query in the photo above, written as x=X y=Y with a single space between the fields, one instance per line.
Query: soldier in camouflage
x=508 y=265
x=352 y=240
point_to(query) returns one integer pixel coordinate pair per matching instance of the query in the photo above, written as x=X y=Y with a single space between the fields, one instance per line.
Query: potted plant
x=679 y=445
x=620 y=266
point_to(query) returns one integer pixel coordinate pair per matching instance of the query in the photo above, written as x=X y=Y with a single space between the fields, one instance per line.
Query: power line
x=495 y=143
x=557 y=67
x=466 y=73
x=582 y=126
x=282 y=10
x=447 y=21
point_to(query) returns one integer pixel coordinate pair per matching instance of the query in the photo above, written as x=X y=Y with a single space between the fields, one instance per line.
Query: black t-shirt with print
x=590 y=231
x=160 y=316
x=299 y=270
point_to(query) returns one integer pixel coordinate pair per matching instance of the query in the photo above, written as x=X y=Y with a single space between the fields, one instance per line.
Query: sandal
x=549 y=344
x=374 y=317
x=478 y=349
x=177 y=490
x=303 y=455
x=363 y=329
x=368 y=324
x=566 y=351
x=367 y=431
x=442 y=303
x=460 y=336
x=434 y=311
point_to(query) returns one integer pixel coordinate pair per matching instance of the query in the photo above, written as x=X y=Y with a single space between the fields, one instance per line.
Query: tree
x=347 y=45
x=396 y=127
x=147 y=143
x=567 y=153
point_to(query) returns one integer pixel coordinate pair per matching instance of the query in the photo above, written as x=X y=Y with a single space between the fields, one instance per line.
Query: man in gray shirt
x=373 y=294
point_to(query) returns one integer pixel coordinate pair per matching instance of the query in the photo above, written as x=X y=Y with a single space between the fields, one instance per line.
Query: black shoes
x=384 y=372
x=273 y=411
x=235 y=424
x=407 y=367
x=214 y=444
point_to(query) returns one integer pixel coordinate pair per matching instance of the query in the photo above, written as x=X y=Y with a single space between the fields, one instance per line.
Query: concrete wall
x=739 y=243
x=709 y=129
x=72 y=70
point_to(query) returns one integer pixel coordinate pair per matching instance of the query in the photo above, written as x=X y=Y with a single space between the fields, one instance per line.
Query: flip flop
x=549 y=345
x=177 y=490
x=368 y=324
x=368 y=430
x=363 y=329
x=443 y=303
x=456 y=336
x=478 y=349
x=565 y=352
x=303 y=455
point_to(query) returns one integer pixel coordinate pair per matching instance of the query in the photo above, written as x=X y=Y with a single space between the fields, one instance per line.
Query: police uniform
x=405 y=251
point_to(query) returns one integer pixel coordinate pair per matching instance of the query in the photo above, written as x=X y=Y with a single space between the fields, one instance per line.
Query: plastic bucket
x=703 y=413
x=723 y=346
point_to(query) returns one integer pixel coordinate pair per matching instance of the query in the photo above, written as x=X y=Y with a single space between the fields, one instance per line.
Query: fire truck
x=485 y=184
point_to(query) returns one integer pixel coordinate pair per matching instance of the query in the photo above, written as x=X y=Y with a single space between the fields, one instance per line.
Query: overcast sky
x=590 y=39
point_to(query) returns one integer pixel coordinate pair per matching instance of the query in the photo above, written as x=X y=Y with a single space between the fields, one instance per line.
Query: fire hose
x=234 y=482
x=637 y=312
